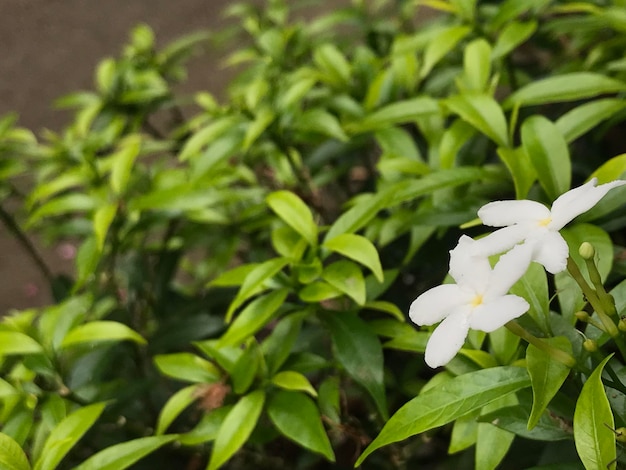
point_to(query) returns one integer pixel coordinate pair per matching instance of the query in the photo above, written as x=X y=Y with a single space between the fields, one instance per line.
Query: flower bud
x=586 y=250
x=590 y=345
x=582 y=315
x=620 y=434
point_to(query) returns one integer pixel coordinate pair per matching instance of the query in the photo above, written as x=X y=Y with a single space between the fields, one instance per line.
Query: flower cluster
x=479 y=299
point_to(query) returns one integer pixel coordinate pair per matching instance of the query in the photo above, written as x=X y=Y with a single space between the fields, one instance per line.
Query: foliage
x=245 y=264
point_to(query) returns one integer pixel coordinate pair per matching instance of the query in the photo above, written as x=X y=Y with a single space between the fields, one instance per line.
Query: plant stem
x=10 y=223
x=553 y=352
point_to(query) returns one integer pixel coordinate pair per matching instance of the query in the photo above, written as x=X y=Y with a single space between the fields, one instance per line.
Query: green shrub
x=245 y=265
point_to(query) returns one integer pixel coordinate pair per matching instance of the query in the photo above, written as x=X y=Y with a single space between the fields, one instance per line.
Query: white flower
x=537 y=225
x=478 y=300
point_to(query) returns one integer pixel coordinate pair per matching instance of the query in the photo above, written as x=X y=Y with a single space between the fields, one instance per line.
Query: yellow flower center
x=545 y=222
x=476 y=301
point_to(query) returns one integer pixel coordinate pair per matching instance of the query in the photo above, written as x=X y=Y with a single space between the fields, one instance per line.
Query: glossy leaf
x=66 y=434
x=611 y=170
x=348 y=278
x=442 y=43
x=102 y=219
x=321 y=122
x=482 y=112
x=594 y=424
x=236 y=428
x=254 y=317
x=585 y=117
x=278 y=345
x=255 y=129
x=398 y=113
x=295 y=381
x=567 y=87
x=546 y=375
x=121 y=456
x=359 y=249
x=477 y=64
x=333 y=64
x=511 y=36
x=254 y=281
x=208 y=427
x=359 y=351
x=101 y=331
x=295 y=213
x=187 y=367
x=122 y=163
x=174 y=407
x=533 y=286
x=12 y=457
x=14 y=342
x=444 y=403
x=297 y=418
x=492 y=442
x=548 y=153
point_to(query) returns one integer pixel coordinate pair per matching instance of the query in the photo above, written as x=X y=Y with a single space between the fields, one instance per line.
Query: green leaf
x=548 y=153
x=513 y=34
x=102 y=218
x=442 y=43
x=208 y=427
x=122 y=163
x=585 y=117
x=262 y=121
x=482 y=112
x=254 y=317
x=66 y=434
x=533 y=286
x=254 y=281
x=477 y=64
x=101 y=331
x=121 y=456
x=397 y=142
x=359 y=249
x=297 y=418
x=334 y=66
x=279 y=344
x=397 y=113
x=518 y=163
x=328 y=399
x=245 y=369
x=319 y=121
x=515 y=418
x=546 y=375
x=236 y=428
x=174 y=407
x=613 y=169
x=14 y=342
x=567 y=87
x=492 y=443
x=207 y=135
x=295 y=213
x=594 y=424
x=74 y=202
x=464 y=432
x=348 y=278
x=187 y=367
x=444 y=403
x=295 y=381
x=452 y=140
x=360 y=353
x=12 y=457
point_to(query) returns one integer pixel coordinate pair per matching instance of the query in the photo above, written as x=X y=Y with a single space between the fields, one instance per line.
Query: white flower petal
x=492 y=315
x=551 y=251
x=447 y=339
x=500 y=241
x=579 y=200
x=467 y=269
x=437 y=303
x=502 y=213
x=509 y=269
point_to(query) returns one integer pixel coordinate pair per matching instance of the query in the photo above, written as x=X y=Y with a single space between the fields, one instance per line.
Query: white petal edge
x=466 y=268
x=579 y=200
x=503 y=213
x=492 y=315
x=500 y=241
x=447 y=339
x=551 y=251
x=437 y=303
x=509 y=269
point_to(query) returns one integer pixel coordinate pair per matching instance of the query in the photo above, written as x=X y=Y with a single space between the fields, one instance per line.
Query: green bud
x=620 y=434
x=590 y=345
x=586 y=250
x=582 y=315
x=621 y=325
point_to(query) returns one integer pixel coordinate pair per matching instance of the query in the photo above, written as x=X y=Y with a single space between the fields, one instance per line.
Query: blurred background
x=50 y=48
